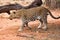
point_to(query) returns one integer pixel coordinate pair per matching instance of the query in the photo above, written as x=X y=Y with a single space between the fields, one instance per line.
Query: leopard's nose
x=10 y=18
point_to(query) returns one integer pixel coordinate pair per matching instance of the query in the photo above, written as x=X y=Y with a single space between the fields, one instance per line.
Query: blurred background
x=50 y=3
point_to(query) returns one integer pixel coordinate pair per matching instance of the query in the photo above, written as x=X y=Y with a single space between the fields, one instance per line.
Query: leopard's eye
x=14 y=12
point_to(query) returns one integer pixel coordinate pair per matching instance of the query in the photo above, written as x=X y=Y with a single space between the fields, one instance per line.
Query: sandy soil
x=8 y=29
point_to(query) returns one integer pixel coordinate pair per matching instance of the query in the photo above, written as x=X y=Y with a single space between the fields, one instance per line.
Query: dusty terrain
x=8 y=29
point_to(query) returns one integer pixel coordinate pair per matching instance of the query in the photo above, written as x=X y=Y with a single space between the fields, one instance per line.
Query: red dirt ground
x=8 y=29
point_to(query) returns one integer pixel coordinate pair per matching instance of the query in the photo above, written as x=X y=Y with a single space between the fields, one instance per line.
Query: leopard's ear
x=13 y=11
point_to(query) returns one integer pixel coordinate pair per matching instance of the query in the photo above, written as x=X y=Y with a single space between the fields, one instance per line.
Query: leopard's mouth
x=14 y=18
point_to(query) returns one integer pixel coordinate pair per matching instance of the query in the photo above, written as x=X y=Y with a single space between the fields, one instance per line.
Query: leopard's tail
x=52 y=15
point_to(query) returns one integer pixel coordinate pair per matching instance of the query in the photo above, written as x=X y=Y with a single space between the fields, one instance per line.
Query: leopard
x=37 y=13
